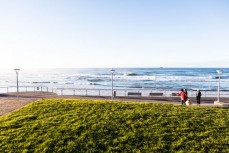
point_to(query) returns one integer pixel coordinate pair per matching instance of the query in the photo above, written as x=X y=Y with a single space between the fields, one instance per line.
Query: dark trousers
x=182 y=102
x=198 y=100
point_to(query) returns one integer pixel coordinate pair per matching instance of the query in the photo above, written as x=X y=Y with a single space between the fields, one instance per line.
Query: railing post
x=25 y=89
x=99 y=93
x=74 y=92
x=7 y=89
x=86 y=92
x=61 y=92
x=41 y=88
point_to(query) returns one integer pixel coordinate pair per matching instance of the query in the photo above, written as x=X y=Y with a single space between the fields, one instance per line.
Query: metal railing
x=108 y=92
x=25 y=89
x=125 y=92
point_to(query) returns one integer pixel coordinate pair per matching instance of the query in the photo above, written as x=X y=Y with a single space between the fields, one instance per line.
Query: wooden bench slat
x=155 y=94
x=173 y=94
x=134 y=93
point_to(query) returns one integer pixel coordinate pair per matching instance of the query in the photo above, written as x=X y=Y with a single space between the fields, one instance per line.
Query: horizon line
x=116 y=68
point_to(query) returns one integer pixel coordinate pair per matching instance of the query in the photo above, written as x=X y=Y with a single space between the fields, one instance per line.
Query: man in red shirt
x=182 y=96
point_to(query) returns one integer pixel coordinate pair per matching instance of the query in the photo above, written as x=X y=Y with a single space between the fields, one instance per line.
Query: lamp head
x=219 y=71
x=112 y=70
x=16 y=70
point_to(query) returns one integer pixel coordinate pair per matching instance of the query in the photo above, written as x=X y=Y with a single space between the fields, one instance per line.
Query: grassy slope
x=105 y=126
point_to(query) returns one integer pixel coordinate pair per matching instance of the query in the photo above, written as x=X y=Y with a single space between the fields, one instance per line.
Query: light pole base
x=217 y=103
x=220 y=103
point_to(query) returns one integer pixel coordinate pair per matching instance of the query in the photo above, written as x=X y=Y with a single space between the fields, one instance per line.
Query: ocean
x=123 y=78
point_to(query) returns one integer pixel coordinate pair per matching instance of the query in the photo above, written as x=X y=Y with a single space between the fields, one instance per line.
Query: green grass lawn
x=64 y=125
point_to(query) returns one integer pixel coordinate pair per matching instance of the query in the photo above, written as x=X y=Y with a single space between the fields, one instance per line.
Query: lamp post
x=219 y=73
x=17 y=70
x=112 y=73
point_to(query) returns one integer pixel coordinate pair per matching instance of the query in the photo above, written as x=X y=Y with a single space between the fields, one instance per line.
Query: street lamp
x=112 y=73
x=17 y=70
x=219 y=73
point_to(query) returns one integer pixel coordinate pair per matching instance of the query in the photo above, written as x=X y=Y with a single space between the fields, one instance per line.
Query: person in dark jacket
x=186 y=94
x=198 y=97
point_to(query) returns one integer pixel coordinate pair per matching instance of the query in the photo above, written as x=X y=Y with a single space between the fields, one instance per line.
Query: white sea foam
x=123 y=78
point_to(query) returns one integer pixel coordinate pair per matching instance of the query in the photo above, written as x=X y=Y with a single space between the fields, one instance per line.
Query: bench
x=173 y=94
x=134 y=93
x=155 y=94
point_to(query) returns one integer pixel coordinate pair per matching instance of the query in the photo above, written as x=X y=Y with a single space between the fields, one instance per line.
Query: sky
x=113 y=33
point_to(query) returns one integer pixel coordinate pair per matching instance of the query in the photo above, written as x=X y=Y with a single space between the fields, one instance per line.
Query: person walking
x=198 y=96
x=182 y=96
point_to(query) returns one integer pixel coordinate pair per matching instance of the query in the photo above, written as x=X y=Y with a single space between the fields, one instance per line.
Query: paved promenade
x=9 y=102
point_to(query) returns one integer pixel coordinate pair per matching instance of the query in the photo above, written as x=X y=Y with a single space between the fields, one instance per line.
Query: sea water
x=123 y=78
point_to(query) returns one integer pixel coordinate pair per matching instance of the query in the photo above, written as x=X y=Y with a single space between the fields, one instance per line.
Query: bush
x=64 y=125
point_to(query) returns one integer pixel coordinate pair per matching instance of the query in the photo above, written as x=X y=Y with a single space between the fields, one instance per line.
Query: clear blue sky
x=114 y=33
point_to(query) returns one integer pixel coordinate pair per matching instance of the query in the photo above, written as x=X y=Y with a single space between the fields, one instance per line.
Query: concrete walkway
x=9 y=102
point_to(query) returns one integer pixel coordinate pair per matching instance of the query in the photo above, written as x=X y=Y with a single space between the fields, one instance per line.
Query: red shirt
x=182 y=95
